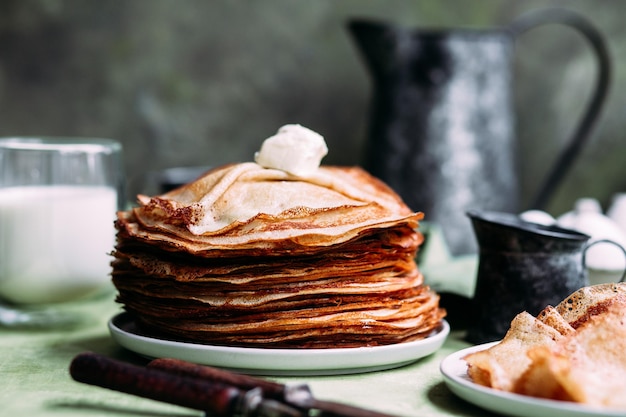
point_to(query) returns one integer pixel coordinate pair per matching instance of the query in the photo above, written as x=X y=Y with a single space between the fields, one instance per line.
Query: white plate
x=454 y=370
x=278 y=361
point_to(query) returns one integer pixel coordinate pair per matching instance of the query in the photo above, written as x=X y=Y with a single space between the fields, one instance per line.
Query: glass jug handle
x=574 y=20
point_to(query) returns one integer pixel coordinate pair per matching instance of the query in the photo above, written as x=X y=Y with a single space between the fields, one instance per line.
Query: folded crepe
x=253 y=255
x=573 y=352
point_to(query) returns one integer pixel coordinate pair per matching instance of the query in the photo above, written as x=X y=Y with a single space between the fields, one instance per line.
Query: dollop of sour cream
x=294 y=149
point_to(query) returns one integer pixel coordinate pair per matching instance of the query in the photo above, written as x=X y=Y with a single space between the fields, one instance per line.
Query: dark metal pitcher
x=442 y=128
x=522 y=267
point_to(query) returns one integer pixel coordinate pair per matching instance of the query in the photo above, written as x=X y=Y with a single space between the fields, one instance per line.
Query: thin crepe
x=245 y=206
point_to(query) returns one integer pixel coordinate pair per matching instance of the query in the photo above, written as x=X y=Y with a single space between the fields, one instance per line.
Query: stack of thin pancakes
x=257 y=257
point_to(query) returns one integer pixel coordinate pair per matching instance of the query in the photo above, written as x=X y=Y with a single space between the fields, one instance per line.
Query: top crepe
x=246 y=206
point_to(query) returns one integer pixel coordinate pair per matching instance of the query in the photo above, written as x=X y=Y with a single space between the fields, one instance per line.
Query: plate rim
x=292 y=361
x=454 y=371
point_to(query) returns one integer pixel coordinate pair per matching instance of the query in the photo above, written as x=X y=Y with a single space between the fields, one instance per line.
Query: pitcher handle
x=541 y=17
x=590 y=244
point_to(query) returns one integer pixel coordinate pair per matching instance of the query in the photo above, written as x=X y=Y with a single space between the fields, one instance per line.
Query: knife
x=218 y=400
x=218 y=392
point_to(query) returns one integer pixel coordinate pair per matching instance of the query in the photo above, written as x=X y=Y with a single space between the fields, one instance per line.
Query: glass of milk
x=58 y=202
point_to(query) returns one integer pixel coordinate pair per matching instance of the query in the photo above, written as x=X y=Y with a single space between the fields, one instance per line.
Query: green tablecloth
x=35 y=380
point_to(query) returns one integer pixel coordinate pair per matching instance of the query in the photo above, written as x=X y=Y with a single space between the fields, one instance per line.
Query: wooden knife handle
x=93 y=369
x=244 y=382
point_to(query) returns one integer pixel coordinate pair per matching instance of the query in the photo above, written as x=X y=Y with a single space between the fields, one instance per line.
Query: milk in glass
x=55 y=241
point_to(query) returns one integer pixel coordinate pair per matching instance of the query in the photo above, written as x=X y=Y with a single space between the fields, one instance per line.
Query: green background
x=194 y=82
